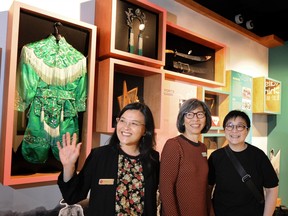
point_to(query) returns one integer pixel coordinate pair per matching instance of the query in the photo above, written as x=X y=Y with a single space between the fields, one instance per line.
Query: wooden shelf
x=38 y=23
x=213 y=141
x=113 y=39
x=219 y=140
x=219 y=103
x=151 y=89
x=217 y=66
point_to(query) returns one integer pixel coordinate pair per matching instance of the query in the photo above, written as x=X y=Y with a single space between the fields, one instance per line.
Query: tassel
x=131 y=41
x=42 y=114
x=140 y=44
x=62 y=114
x=53 y=132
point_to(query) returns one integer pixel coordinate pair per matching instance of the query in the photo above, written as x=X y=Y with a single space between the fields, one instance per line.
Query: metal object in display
x=188 y=56
x=187 y=69
x=141 y=17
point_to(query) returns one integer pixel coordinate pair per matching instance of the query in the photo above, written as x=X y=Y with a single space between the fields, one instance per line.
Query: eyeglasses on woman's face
x=240 y=127
x=190 y=115
x=122 y=122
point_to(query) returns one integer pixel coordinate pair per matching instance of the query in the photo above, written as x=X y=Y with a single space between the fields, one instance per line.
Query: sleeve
x=270 y=177
x=77 y=188
x=81 y=91
x=151 y=176
x=211 y=173
x=27 y=82
x=157 y=157
x=169 y=166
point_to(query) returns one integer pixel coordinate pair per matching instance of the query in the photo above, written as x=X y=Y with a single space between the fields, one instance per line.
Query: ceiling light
x=239 y=19
x=249 y=24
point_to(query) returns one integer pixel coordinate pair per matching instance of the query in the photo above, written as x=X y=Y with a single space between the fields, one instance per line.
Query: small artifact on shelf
x=141 y=17
x=210 y=101
x=127 y=96
x=187 y=69
x=215 y=121
x=188 y=56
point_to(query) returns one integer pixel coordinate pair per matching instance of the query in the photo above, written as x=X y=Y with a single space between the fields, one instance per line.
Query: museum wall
x=277 y=132
x=242 y=55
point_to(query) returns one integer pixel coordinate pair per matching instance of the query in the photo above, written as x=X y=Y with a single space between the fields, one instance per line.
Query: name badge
x=204 y=154
x=106 y=181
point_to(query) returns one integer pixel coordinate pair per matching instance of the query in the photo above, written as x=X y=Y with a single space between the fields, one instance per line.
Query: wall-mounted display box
x=266 y=95
x=119 y=79
x=213 y=141
x=240 y=87
x=27 y=24
x=193 y=58
x=218 y=101
x=131 y=30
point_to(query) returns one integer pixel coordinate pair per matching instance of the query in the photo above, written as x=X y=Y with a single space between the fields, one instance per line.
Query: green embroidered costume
x=52 y=82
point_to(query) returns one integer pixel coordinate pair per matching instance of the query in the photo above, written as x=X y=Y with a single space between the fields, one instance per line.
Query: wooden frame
x=218 y=58
x=218 y=101
x=214 y=141
x=19 y=14
x=152 y=90
x=106 y=20
x=266 y=95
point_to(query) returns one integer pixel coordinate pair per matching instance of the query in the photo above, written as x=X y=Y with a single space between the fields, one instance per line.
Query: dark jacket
x=102 y=163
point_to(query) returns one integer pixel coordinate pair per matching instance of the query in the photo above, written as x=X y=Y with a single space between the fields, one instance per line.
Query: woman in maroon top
x=184 y=169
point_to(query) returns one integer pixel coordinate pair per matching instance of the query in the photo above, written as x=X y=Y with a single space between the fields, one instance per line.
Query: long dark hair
x=147 y=142
x=189 y=105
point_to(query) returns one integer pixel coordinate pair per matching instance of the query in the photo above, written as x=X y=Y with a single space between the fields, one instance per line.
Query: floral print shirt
x=130 y=189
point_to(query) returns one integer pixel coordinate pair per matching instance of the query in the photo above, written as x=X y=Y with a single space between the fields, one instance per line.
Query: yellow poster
x=272 y=95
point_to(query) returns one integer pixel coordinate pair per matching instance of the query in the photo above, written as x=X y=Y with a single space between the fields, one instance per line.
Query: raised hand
x=69 y=153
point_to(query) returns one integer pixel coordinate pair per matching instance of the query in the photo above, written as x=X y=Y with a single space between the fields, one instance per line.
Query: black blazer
x=102 y=163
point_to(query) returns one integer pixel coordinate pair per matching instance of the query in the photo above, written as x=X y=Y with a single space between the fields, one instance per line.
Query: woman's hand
x=68 y=153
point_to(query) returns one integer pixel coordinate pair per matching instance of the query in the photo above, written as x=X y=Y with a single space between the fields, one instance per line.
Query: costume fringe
x=53 y=132
x=54 y=76
x=42 y=115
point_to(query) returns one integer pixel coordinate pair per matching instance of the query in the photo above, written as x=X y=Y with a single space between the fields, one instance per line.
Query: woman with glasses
x=231 y=195
x=184 y=169
x=123 y=176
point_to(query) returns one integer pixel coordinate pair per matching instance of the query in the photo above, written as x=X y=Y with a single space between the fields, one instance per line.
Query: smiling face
x=194 y=125
x=236 y=131
x=130 y=127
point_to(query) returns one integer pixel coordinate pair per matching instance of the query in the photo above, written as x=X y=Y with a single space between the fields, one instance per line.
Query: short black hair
x=237 y=113
x=192 y=104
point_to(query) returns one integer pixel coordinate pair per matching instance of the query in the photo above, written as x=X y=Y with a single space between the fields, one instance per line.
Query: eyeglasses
x=230 y=127
x=122 y=122
x=199 y=115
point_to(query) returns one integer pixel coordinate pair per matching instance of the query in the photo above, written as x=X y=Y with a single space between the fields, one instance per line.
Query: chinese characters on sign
x=272 y=95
